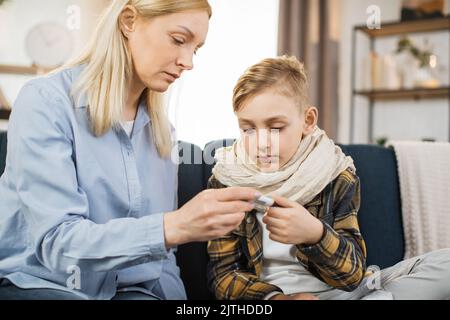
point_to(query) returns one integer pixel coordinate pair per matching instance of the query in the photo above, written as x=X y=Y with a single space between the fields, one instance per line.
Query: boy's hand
x=291 y=223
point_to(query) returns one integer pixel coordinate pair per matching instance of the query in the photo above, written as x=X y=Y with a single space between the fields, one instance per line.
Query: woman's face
x=163 y=47
x=272 y=126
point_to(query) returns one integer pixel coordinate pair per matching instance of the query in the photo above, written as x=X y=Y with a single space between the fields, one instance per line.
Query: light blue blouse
x=82 y=213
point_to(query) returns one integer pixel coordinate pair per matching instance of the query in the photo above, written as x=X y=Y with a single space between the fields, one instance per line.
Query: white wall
x=17 y=17
x=241 y=33
x=402 y=120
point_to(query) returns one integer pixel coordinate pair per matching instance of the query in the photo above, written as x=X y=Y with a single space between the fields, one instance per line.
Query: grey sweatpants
x=426 y=277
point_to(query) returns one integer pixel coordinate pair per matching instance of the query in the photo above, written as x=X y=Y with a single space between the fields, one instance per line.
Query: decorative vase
x=425 y=78
x=407 y=67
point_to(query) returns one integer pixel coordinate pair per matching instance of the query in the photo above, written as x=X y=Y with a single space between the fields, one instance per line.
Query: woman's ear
x=127 y=20
x=311 y=117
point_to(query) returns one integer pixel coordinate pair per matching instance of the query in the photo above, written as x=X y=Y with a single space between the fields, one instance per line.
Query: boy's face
x=272 y=126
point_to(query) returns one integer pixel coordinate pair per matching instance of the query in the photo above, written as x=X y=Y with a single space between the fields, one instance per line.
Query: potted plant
x=417 y=69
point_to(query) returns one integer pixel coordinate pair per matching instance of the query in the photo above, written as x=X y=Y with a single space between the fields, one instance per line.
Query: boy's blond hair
x=284 y=74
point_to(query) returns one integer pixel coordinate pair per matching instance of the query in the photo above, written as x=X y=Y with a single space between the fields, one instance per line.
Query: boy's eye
x=248 y=130
x=276 y=129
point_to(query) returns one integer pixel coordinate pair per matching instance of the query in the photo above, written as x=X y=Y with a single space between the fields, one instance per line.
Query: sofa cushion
x=192 y=258
x=379 y=217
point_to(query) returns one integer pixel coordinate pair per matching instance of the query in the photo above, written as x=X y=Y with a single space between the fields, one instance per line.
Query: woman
x=88 y=195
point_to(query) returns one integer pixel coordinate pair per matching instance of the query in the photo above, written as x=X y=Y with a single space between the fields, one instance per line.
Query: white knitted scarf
x=316 y=163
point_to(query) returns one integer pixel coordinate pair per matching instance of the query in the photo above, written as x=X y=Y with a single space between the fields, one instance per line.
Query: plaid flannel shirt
x=338 y=259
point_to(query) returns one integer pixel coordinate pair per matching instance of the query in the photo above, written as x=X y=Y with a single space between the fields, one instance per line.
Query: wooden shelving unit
x=21 y=70
x=393 y=29
x=398 y=28
x=403 y=94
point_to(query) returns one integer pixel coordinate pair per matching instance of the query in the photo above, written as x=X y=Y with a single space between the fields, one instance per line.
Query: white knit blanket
x=424 y=173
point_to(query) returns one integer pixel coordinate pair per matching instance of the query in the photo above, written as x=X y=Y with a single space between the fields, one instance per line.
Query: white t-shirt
x=281 y=267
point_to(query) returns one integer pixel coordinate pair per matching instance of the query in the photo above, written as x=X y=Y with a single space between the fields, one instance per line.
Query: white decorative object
x=49 y=44
x=391 y=78
x=384 y=72
x=407 y=67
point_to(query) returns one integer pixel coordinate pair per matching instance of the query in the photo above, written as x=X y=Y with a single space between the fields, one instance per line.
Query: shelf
x=21 y=70
x=416 y=26
x=416 y=93
x=4 y=114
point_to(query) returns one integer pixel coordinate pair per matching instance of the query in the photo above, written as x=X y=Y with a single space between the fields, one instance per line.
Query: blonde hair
x=109 y=68
x=284 y=74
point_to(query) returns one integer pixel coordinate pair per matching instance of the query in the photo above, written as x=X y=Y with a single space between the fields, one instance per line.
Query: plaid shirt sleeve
x=339 y=259
x=229 y=276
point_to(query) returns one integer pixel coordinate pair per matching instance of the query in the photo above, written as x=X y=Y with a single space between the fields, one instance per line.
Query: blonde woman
x=88 y=207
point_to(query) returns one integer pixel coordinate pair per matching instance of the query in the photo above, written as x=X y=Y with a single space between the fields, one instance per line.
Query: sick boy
x=308 y=245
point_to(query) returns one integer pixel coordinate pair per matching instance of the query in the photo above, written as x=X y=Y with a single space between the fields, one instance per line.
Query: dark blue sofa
x=379 y=216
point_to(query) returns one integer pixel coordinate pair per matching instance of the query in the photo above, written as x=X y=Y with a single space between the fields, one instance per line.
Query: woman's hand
x=211 y=214
x=294 y=296
x=291 y=223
